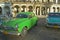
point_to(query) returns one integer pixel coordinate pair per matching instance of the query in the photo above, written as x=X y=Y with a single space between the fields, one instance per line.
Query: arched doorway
x=30 y=9
x=0 y=11
x=38 y=10
x=43 y=11
x=57 y=9
x=17 y=8
x=53 y=9
x=23 y=8
x=47 y=10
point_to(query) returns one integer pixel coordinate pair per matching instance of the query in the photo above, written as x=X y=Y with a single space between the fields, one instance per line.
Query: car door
x=33 y=19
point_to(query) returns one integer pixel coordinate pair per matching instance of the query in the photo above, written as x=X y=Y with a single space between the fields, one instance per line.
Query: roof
x=26 y=13
x=55 y=12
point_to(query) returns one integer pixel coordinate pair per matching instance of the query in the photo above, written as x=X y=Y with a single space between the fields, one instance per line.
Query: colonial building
x=40 y=7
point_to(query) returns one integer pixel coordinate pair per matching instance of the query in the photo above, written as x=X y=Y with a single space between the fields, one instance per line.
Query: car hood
x=14 y=22
x=53 y=20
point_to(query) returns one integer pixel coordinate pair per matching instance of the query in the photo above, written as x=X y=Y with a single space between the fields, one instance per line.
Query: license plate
x=5 y=32
x=55 y=26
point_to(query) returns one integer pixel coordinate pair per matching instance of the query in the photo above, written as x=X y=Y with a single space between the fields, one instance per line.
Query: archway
x=38 y=10
x=30 y=9
x=23 y=8
x=17 y=8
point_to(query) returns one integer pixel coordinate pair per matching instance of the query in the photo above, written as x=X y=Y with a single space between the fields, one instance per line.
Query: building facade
x=39 y=7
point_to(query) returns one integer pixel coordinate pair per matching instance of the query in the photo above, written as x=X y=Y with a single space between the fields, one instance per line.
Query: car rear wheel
x=24 y=32
x=36 y=23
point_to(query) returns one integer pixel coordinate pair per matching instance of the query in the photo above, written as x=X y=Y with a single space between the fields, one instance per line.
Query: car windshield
x=21 y=16
x=54 y=15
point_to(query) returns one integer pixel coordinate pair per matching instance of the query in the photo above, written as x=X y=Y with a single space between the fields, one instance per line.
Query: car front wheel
x=24 y=32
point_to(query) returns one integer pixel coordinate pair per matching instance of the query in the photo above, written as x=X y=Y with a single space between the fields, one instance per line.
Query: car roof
x=54 y=12
x=26 y=13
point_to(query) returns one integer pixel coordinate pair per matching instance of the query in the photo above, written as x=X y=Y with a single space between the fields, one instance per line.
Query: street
x=39 y=32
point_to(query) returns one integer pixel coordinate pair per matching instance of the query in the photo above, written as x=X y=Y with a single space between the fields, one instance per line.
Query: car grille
x=6 y=28
x=1 y=27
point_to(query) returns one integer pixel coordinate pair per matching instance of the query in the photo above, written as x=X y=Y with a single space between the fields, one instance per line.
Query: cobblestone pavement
x=39 y=32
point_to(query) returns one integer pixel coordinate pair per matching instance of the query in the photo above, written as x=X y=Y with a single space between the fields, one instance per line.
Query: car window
x=21 y=16
x=54 y=15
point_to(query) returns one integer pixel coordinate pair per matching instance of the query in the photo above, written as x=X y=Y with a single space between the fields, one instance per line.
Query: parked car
x=20 y=24
x=53 y=20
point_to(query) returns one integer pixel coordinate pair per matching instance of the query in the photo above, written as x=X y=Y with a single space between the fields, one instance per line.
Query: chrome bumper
x=12 y=33
x=57 y=26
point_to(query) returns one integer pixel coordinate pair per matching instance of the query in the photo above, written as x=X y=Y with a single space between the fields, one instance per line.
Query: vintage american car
x=53 y=20
x=20 y=24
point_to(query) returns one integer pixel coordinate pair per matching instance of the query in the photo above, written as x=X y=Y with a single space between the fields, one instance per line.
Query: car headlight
x=16 y=27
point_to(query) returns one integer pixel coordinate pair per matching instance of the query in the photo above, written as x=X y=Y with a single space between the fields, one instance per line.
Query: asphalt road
x=39 y=32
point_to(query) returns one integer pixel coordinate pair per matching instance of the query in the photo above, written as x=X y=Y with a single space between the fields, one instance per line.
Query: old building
x=39 y=7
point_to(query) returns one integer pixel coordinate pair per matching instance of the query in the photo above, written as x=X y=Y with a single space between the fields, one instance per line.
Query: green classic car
x=20 y=24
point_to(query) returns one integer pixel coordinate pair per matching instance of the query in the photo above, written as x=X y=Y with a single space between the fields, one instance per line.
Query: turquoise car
x=20 y=24
x=53 y=20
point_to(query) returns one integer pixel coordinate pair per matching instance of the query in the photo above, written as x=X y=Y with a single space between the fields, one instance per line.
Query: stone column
x=14 y=12
x=40 y=10
x=27 y=8
x=56 y=9
x=56 y=1
x=45 y=11
x=19 y=9
x=34 y=10
x=49 y=9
